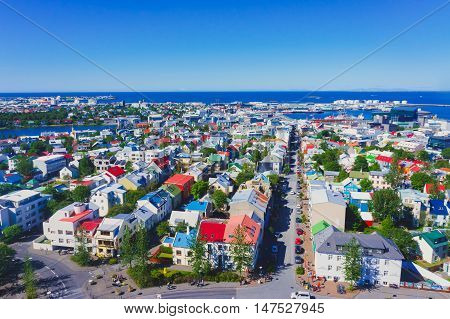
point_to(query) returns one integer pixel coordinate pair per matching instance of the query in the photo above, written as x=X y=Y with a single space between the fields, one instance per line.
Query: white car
x=301 y=295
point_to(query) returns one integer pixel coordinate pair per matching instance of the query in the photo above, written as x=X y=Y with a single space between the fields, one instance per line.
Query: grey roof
x=321 y=236
x=319 y=196
x=373 y=245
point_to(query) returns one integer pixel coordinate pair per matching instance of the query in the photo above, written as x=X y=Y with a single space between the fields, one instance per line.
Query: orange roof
x=252 y=229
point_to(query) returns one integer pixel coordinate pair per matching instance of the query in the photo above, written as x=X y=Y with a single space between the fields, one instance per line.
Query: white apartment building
x=106 y=196
x=60 y=229
x=24 y=208
x=381 y=258
x=49 y=164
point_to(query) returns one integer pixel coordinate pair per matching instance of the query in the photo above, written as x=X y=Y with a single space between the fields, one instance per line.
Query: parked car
x=340 y=289
x=298 y=249
x=278 y=235
x=301 y=295
x=274 y=249
x=298 y=241
x=298 y=260
x=298 y=220
x=300 y=231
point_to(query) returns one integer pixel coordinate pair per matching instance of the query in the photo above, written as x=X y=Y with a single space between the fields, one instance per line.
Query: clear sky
x=164 y=45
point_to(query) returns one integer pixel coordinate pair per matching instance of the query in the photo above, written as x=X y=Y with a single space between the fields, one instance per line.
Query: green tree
x=199 y=257
x=133 y=196
x=401 y=237
x=353 y=220
x=163 y=228
x=29 y=279
x=11 y=234
x=442 y=164
x=342 y=176
x=245 y=175
x=6 y=256
x=219 y=199
x=286 y=169
x=142 y=246
x=199 y=189
x=374 y=167
x=419 y=179
x=332 y=166
x=127 y=248
x=366 y=185
x=352 y=262
x=423 y=156
x=207 y=151
x=129 y=166
x=361 y=164
x=81 y=194
x=119 y=209
x=181 y=227
x=256 y=156
x=395 y=176
x=241 y=250
x=86 y=167
x=38 y=147
x=446 y=153
x=24 y=166
x=81 y=255
x=274 y=180
x=386 y=203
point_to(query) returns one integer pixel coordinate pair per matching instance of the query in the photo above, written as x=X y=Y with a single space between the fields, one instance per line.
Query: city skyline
x=224 y=46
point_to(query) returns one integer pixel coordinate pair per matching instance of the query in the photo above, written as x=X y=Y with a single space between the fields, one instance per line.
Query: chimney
x=188 y=229
x=79 y=208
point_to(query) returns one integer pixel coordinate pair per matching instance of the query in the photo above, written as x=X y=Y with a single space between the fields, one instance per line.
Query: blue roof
x=437 y=207
x=183 y=240
x=168 y=240
x=197 y=206
x=157 y=198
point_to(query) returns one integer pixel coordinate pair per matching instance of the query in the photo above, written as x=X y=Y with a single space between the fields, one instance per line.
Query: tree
x=86 y=167
x=127 y=248
x=11 y=234
x=119 y=209
x=207 y=151
x=342 y=175
x=256 y=156
x=352 y=262
x=6 y=256
x=142 y=246
x=29 y=279
x=81 y=194
x=274 y=180
x=423 y=156
x=401 y=237
x=245 y=175
x=286 y=169
x=374 y=167
x=24 y=166
x=199 y=189
x=220 y=199
x=446 y=153
x=199 y=257
x=395 y=176
x=323 y=145
x=366 y=185
x=163 y=228
x=386 y=203
x=442 y=164
x=361 y=164
x=332 y=166
x=181 y=227
x=353 y=220
x=241 y=250
x=418 y=180
x=81 y=255
x=133 y=196
x=38 y=147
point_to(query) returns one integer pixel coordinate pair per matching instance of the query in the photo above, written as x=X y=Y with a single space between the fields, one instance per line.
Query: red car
x=298 y=241
x=299 y=231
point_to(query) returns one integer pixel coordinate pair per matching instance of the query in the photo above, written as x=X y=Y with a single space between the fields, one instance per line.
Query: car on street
x=298 y=249
x=299 y=231
x=274 y=249
x=298 y=260
x=298 y=241
x=278 y=235
x=301 y=295
x=298 y=220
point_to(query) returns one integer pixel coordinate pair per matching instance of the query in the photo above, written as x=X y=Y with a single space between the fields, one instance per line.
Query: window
x=385 y=273
x=178 y=252
x=61 y=240
x=339 y=258
x=330 y=257
x=330 y=267
x=386 y=262
x=60 y=232
x=68 y=232
x=338 y=268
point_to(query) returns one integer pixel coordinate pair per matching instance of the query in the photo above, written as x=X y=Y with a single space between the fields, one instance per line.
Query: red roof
x=180 y=179
x=82 y=183
x=211 y=231
x=90 y=225
x=252 y=229
x=382 y=158
x=116 y=171
x=76 y=217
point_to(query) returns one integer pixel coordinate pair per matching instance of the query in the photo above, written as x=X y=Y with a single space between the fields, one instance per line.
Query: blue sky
x=164 y=45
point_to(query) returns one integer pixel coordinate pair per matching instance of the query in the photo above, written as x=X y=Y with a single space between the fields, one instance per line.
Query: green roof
x=173 y=190
x=317 y=228
x=435 y=238
x=358 y=175
x=215 y=158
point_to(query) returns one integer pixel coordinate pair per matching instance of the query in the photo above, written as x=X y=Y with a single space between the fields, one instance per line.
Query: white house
x=433 y=245
x=49 y=164
x=106 y=196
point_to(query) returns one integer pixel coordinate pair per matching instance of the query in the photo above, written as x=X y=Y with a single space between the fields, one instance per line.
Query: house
x=49 y=165
x=431 y=188
x=356 y=176
x=198 y=170
x=415 y=200
x=191 y=218
x=349 y=186
x=260 y=183
x=138 y=179
x=433 y=245
x=251 y=203
x=175 y=194
x=159 y=202
x=181 y=247
x=222 y=182
x=271 y=163
x=145 y=217
x=114 y=173
x=69 y=172
x=106 y=196
x=438 y=213
x=204 y=208
x=183 y=182
x=329 y=206
x=61 y=228
x=381 y=258
x=108 y=236
x=361 y=200
x=86 y=231
x=24 y=208
x=378 y=179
